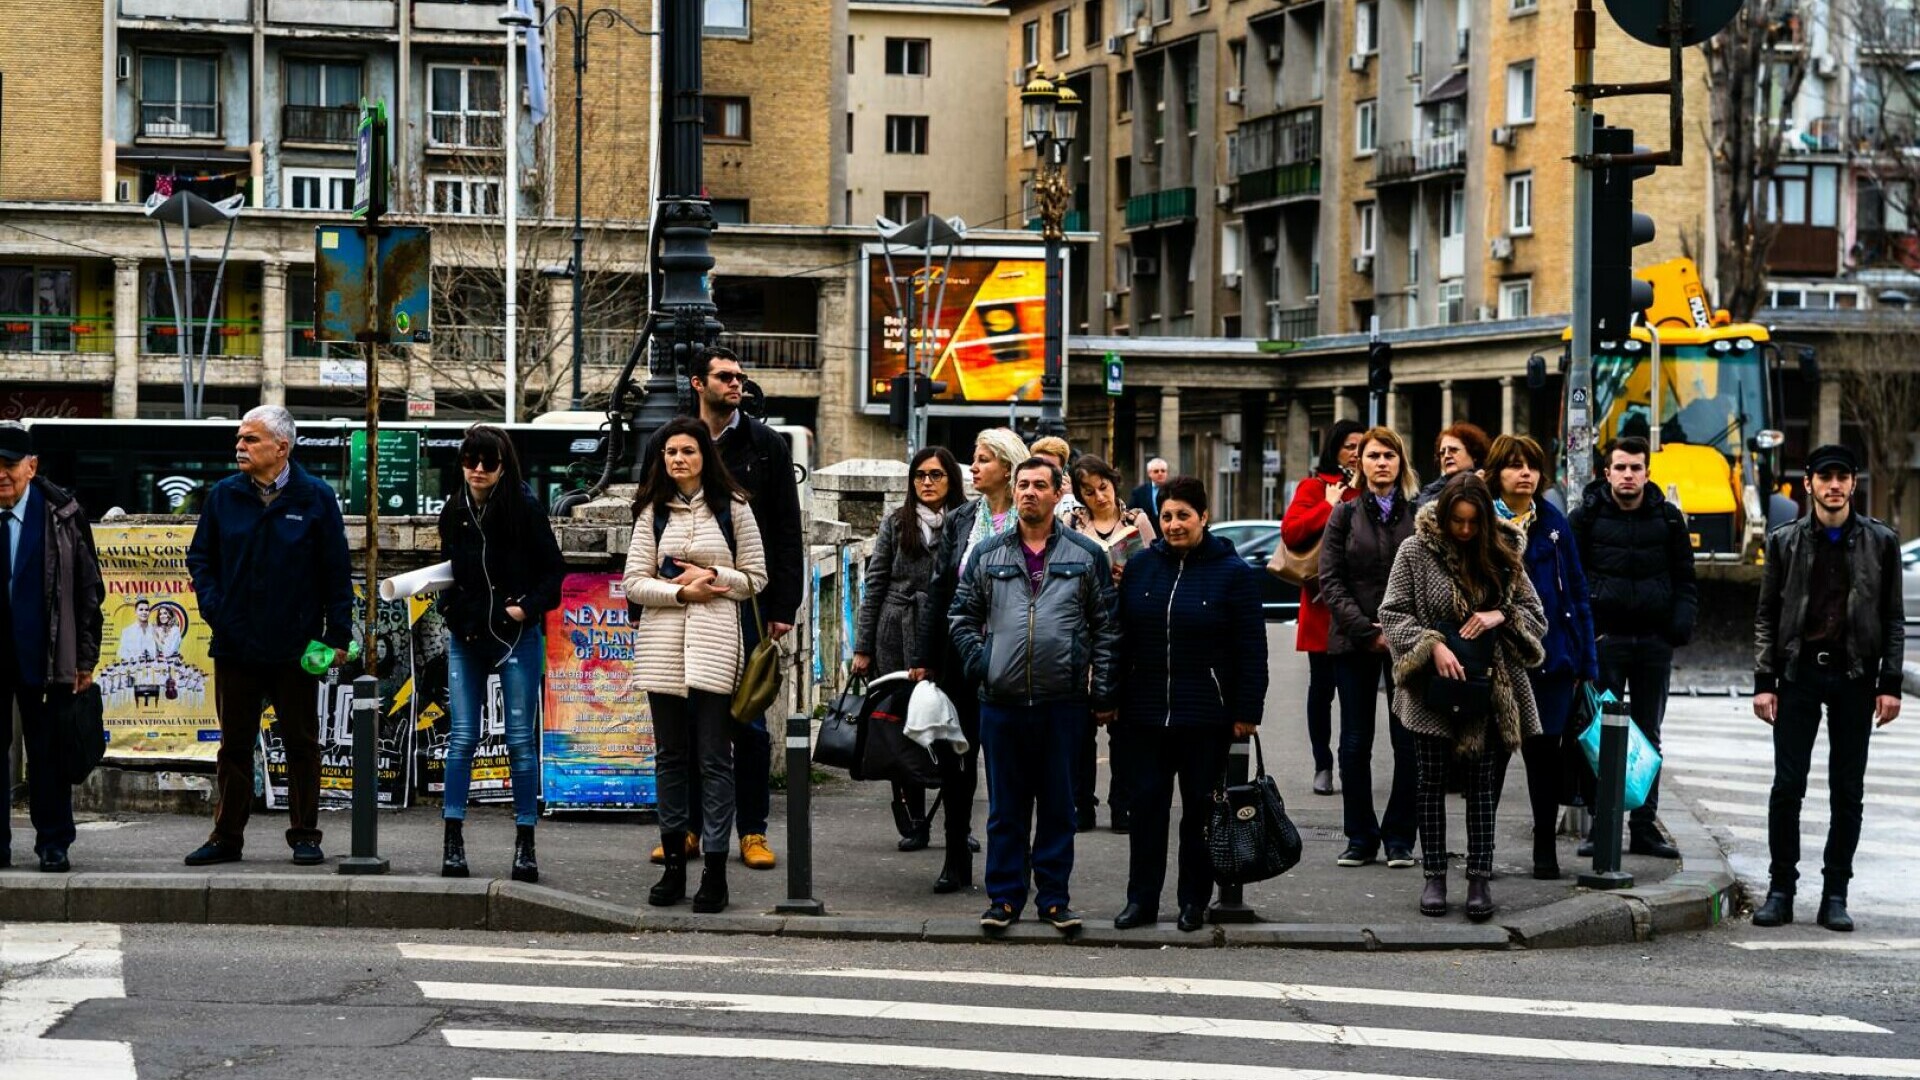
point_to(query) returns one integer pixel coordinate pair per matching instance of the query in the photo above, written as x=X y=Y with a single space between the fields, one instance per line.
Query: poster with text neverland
x=596 y=744
x=155 y=676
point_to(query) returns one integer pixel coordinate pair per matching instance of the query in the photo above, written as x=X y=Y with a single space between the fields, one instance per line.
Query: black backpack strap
x=722 y=515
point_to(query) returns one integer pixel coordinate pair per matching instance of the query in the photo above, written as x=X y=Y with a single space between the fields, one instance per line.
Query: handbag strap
x=1259 y=760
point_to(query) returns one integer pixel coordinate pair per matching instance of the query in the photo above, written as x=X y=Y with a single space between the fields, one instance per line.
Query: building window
x=726 y=18
x=322 y=103
x=1063 y=32
x=1091 y=26
x=1231 y=242
x=1366 y=27
x=1366 y=228
x=1516 y=299
x=1123 y=94
x=1237 y=61
x=851 y=51
x=906 y=134
x=1122 y=268
x=1122 y=182
x=909 y=56
x=317 y=189
x=729 y=211
x=1197 y=5
x=180 y=97
x=463 y=107
x=1162 y=11
x=1520 y=93
x=37 y=309
x=1806 y=195
x=905 y=206
x=728 y=119
x=849 y=133
x=1520 y=204
x=1452 y=308
x=1522 y=7
x=1366 y=132
x=465 y=196
x=1030 y=43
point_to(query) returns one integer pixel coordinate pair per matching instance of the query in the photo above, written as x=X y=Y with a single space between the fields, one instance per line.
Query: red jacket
x=1300 y=528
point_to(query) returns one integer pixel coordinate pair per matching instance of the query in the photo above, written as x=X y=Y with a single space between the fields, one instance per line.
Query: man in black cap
x=1830 y=633
x=50 y=594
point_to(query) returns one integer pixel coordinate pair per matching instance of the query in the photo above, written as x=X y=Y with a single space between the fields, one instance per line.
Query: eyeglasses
x=480 y=462
x=925 y=475
x=726 y=376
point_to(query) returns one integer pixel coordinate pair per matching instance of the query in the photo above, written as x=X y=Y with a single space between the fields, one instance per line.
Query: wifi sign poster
x=155 y=676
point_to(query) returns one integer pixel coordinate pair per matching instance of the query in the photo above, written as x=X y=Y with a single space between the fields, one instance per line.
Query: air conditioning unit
x=1144 y=35
x=1019 y=78
x=1149 y=155
x=123 y=191
x=1112 y=300
x=1236 y=95
x=123 y=67
x=1503 y=136
x=1363 y=264
x=1223 y=195
x=1824 y=66
x=1273 y=52
x=1357 y=62
x=1146 y=266
x=1116 y=44
x=1269 y=244
x=1501 y=248
x=1231 y=279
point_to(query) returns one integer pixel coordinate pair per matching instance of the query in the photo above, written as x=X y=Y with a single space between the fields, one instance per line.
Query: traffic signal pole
x=1579 y=435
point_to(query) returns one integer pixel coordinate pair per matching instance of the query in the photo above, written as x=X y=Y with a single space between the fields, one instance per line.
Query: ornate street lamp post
x=1050 y=115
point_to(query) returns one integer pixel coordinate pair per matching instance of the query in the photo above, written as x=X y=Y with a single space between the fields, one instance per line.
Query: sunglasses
x=480 y=462
x=925 y=475
x=728 y=377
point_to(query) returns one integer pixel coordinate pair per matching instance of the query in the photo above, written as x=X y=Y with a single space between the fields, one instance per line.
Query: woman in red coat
x=1332 y=482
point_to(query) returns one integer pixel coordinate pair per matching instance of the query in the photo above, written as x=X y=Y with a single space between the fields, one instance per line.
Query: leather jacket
x=1876 y=627
x=1055 y=645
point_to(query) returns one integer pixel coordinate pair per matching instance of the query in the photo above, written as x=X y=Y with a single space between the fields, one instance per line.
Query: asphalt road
x=107 y=1003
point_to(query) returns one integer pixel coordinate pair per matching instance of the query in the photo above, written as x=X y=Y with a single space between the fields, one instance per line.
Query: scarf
x=1384 y=505
x=986 y=528
x=1525 y=521
x=930 y=522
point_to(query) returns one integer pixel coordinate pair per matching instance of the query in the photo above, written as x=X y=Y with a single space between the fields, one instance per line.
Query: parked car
x=1910 y=579
x=1255 y=541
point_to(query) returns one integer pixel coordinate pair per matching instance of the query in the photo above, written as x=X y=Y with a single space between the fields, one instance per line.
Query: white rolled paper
x=414 y=582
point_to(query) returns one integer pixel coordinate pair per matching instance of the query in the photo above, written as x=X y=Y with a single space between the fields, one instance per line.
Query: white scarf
x=930 y=522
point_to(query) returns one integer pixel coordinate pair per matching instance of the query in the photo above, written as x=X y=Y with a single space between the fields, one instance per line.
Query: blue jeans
x=468 y=665
x=1029 y=751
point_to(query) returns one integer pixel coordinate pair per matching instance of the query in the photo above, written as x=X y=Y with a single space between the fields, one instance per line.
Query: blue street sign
x=403 y=260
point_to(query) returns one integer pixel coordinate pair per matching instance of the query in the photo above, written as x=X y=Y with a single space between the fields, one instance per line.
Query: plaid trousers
x=1483 y=774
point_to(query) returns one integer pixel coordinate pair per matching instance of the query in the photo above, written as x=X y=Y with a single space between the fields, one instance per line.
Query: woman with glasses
x=1461 y=447
x=899 y=575
x=506 y=577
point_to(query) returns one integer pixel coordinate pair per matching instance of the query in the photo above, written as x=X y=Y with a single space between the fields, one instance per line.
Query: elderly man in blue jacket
x=1034 y=621
x=270 y=571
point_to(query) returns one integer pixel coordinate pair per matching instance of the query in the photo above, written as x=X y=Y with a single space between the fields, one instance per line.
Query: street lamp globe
x=1039 y=103
x=1066 y=116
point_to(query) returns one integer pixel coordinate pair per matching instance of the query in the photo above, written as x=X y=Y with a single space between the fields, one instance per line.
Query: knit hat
x=1004 y=445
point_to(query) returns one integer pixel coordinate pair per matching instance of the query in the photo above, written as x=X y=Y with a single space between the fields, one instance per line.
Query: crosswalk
x=46 y=970
x=639 y=1006
x=1719 y=758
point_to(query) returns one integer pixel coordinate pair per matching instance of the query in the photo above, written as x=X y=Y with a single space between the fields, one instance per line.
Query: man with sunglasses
x=760 y=461
x=271 y=575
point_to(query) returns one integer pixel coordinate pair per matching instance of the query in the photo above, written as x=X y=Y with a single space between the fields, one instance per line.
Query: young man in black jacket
x=1830 y=632
x=1638 y=557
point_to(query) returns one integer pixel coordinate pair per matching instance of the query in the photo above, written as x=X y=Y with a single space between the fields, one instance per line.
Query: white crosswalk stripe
x=46 y=970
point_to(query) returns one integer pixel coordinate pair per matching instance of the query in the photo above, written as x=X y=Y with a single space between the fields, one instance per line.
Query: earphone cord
x=520 y=627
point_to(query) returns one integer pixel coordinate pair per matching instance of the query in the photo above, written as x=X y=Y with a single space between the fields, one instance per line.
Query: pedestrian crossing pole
x=1231 y=907
x=800 y=899
x=1611 y=797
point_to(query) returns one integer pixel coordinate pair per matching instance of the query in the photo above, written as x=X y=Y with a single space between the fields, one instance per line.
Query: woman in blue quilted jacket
x=1193 y=653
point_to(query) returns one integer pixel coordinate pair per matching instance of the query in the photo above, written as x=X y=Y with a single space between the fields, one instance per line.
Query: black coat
x=495 y=563
x=271 y=579
x=760 y=461
x=1142 y=499
x=1356 y=555
x=1193 y=638
x=1876 y=631
x=1639 y=565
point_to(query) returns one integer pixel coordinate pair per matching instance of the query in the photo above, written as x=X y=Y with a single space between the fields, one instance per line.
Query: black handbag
x=1470 y=698
x=838 y=745
x=1249 y=836
x=84 y=729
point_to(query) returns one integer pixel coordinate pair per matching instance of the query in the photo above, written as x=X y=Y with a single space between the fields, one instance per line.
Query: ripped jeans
x=468 y=665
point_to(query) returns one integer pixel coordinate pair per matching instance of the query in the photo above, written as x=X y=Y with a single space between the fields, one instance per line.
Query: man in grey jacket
x=1830 y=634
x=1034 y=621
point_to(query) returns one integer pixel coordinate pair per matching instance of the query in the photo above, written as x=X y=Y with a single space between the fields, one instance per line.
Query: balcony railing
x=1158 y=207
x=1805 y=249
x=1076 y=221
x=1420 y=157
x=319 y=123
x=1892 y=131
x=465 y=131
x=781 y=352
x=231 y=337
x=179 y=120
x=1285 y=138
x=1884 y=28
x=302 y=343
x=1292 y=323
x=607 y=348
x=55 y=334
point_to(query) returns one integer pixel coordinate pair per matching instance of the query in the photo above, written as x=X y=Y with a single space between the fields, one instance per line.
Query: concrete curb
x=1910 y=679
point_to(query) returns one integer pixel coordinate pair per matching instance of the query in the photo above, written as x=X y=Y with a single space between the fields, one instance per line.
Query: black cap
x=1832 y=456
x=16 y=441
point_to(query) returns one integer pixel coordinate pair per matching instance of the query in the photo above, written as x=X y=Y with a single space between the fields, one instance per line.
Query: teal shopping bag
x=1643 y=761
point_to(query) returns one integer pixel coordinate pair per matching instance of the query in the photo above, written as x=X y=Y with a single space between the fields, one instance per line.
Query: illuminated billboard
x=989 y=345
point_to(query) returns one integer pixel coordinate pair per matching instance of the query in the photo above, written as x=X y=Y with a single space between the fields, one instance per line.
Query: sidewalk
x=595 y=874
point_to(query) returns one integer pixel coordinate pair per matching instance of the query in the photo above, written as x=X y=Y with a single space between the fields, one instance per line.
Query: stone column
x=1168 y=436
x=1297 y=450
x=560 y=333
x=273 y=333
x=1506 y=404
x=126 y=339
x=1446 y=402
x=1826 y=412
x=1343 y=405
x=1396 y=408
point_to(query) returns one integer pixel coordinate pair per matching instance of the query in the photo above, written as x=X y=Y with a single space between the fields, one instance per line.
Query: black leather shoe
x=711 y=897
x=1133 y=916
x=1480 y=905
x=1433 y=898
x=1323 y=782
x=453 y=849
x=54 y=861
x=1585 y=850
x=1832 y=915
x=1546 y=871
x=916 y=839
x=973 y=843
x=956 y=873
x=1654 y=846
x=1123 y=821
x=308 y=853
x=526 y=865
x=1083 y=820
x=213 y=851
x=1192 y=917
x=1354 y=856
x=1776 y=911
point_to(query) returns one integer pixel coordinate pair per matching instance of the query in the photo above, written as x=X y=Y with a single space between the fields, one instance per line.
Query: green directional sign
x=1116 y=370
x=398 y=468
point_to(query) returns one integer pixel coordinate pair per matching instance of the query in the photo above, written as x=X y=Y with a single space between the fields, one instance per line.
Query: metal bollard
x=366 y=780
x=1230 y=908
x=1611 y=793
x=800 y=899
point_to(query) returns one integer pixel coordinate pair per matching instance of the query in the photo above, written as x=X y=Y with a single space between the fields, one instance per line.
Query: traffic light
x=900 y=401
x=1379 y=367
x=1617 y=230
x=925 y=390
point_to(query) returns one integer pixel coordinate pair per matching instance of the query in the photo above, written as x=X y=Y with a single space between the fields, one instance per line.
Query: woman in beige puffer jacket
x=695 y=591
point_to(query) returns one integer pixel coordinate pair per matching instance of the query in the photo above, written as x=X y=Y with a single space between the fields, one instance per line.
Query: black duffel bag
x=1249 y=836
x=82 y=733
x=886 y=753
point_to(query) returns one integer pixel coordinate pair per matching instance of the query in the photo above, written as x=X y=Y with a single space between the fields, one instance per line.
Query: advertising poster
x=393 y=646
x=988 y=344
x=155 y=677
x=596 y=745
x=433 y=723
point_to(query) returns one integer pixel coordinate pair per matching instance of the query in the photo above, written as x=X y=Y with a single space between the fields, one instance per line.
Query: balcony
x=55 y=334
x=1076 y=221
x=239 y=11
x=1419 y=159
x=1822 y=135
x=1884 y=131
x=346 y=14
x=230 y=337
x=180 y=120
x=1805 y=249
x=1882 y=28
x=1292 y=323
x=1160 y=208
x=465 y=131
x=456 y=15
x=319 y=124
x=1277 y=157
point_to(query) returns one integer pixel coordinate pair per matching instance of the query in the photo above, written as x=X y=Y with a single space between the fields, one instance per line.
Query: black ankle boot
x=1777 y=910
x=672 y=886
x=712 y=895
x=525 y=868
x=453 y=850
x=1480 y=905
x=1433 y=897
x=1546 y=858
x=957 y=872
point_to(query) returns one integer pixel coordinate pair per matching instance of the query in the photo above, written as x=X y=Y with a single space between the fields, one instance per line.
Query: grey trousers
x=694 y=732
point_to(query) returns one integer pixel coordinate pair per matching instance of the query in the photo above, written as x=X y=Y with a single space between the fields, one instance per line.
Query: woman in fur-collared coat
x=1459 y=579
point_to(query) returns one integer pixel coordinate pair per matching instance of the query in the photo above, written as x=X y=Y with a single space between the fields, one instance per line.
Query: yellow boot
x=659 y=856
x=755 y=852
